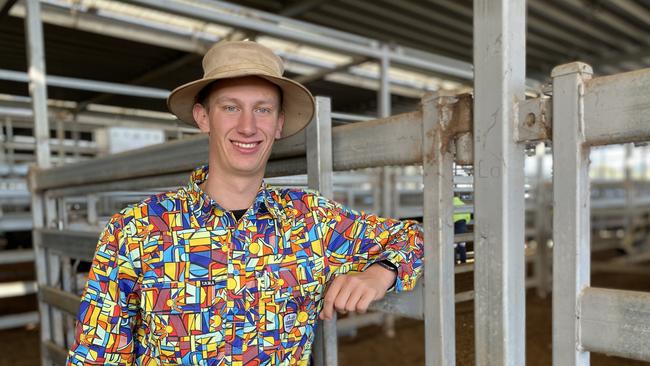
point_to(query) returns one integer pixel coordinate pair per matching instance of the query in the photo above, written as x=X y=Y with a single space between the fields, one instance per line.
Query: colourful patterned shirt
x=176 y=280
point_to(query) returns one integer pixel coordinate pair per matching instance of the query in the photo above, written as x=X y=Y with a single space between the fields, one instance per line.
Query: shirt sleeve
x=352 y=241
x=108 y=313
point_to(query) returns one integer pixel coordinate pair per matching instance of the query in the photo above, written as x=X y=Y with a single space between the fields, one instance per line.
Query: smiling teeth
x=245 y=146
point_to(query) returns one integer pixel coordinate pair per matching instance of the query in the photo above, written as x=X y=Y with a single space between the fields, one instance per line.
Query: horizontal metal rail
x=411 y=304
x=16 y=256
x=394 y=140
x=17 y=288
x=55 y=353
x=274 y=168
x=75 y=244
x=60 y=299
x=615 y=322
x=18 y=320
x=617 y=108
x=616 y=111
x=90 y=85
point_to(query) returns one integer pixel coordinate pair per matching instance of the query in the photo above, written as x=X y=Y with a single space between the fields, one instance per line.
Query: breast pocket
x=184 y=318
x=287 y=311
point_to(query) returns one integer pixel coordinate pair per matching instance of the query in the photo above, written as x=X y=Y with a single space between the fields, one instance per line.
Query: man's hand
x=355 y=291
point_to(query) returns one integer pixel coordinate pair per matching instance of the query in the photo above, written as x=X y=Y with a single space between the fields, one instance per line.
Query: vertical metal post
x=41 y=269
x=319 y=177
x=38 y=93
x=62 y=208
x=384 y=83
x=9 y=137
x=630 y=201
x=388 y=204
x=54 y=218
x=91 y=209
x=75 y=138
x=3 y=144
x=499 y=85
x=377 y=190
x=389 y=191
x=60 y=136
x=389 y=207
x=67 y=279
x=437 y=163
x=571 y=215
x=542 y=267
x=37 y=86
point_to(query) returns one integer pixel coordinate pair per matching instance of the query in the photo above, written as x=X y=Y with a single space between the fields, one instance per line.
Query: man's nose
x=247 y=124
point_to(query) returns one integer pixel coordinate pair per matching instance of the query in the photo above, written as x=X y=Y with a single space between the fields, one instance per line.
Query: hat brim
x=297 y=102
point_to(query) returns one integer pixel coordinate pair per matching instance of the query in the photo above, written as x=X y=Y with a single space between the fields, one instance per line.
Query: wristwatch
x=389 y=266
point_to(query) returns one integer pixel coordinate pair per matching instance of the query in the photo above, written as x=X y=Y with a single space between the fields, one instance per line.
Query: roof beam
x=578 y=24
x=5 y=6
x=95 y=23
x=150 y=76
x=305 y=79
x=316 y=36
x=633 y=9
x=300 y=7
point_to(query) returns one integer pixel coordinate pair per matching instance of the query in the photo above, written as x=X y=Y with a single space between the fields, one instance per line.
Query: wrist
x=386 y=272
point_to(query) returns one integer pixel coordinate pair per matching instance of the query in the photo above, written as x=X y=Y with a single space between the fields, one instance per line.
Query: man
x=461 y=220
x=227 y=271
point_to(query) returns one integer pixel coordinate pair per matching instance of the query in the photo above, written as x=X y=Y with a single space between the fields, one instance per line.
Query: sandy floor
x=372 y=347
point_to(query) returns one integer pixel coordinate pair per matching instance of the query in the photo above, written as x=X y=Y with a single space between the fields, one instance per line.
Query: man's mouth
x=246 y=146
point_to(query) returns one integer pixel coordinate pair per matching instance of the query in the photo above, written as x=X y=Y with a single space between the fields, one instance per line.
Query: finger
x=364 y=302
x=355 y=296
x=344 y=294
x=330 y=296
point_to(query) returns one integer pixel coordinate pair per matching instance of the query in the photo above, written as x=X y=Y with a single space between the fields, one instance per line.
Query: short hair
x=203 y=94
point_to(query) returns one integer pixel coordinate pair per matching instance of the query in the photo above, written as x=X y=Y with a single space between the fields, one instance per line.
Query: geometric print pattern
x=177 y=280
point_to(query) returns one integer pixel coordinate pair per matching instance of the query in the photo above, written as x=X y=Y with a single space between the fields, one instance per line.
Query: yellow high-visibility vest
x=461 y=215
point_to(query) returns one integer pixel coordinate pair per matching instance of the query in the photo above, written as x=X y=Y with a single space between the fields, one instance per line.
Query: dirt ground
x=20 y=347
x=372 y=347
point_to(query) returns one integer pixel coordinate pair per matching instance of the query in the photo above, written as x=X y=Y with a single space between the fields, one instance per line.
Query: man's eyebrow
x=226 y=99
x=235 y=100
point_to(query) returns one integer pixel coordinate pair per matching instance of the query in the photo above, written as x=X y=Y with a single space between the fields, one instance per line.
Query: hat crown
x=242 y=57
x=234 y=59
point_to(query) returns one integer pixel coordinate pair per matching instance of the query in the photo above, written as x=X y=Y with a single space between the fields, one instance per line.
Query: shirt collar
x=203 y=206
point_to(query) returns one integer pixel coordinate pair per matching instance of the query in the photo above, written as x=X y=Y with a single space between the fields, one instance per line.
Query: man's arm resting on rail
x=356 y=277
x=353 y=292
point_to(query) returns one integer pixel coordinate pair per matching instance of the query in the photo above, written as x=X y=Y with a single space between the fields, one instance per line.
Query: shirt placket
x=238 y=305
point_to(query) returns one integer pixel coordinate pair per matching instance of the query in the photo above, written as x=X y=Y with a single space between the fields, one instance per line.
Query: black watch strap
x=388 y=265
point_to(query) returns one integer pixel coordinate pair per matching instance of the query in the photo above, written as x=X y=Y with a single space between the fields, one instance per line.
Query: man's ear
x=201 y=117
x=278 y=131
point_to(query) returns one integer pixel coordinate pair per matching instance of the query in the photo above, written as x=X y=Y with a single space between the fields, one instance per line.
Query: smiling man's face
x=243 y=117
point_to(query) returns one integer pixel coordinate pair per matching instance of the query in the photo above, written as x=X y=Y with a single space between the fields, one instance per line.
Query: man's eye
x=264 y=110
x=230 y=108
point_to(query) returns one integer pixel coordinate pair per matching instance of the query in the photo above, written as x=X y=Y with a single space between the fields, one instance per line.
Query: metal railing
x=168 y=165
x=589 y=112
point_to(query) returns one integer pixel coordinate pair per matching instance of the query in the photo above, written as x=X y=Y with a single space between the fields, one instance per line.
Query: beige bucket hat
x=229 y=59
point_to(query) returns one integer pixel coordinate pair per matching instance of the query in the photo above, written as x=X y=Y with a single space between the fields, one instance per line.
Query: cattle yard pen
x=488 y=130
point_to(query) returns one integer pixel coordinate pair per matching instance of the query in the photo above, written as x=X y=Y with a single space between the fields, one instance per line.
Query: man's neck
x=231 y=192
